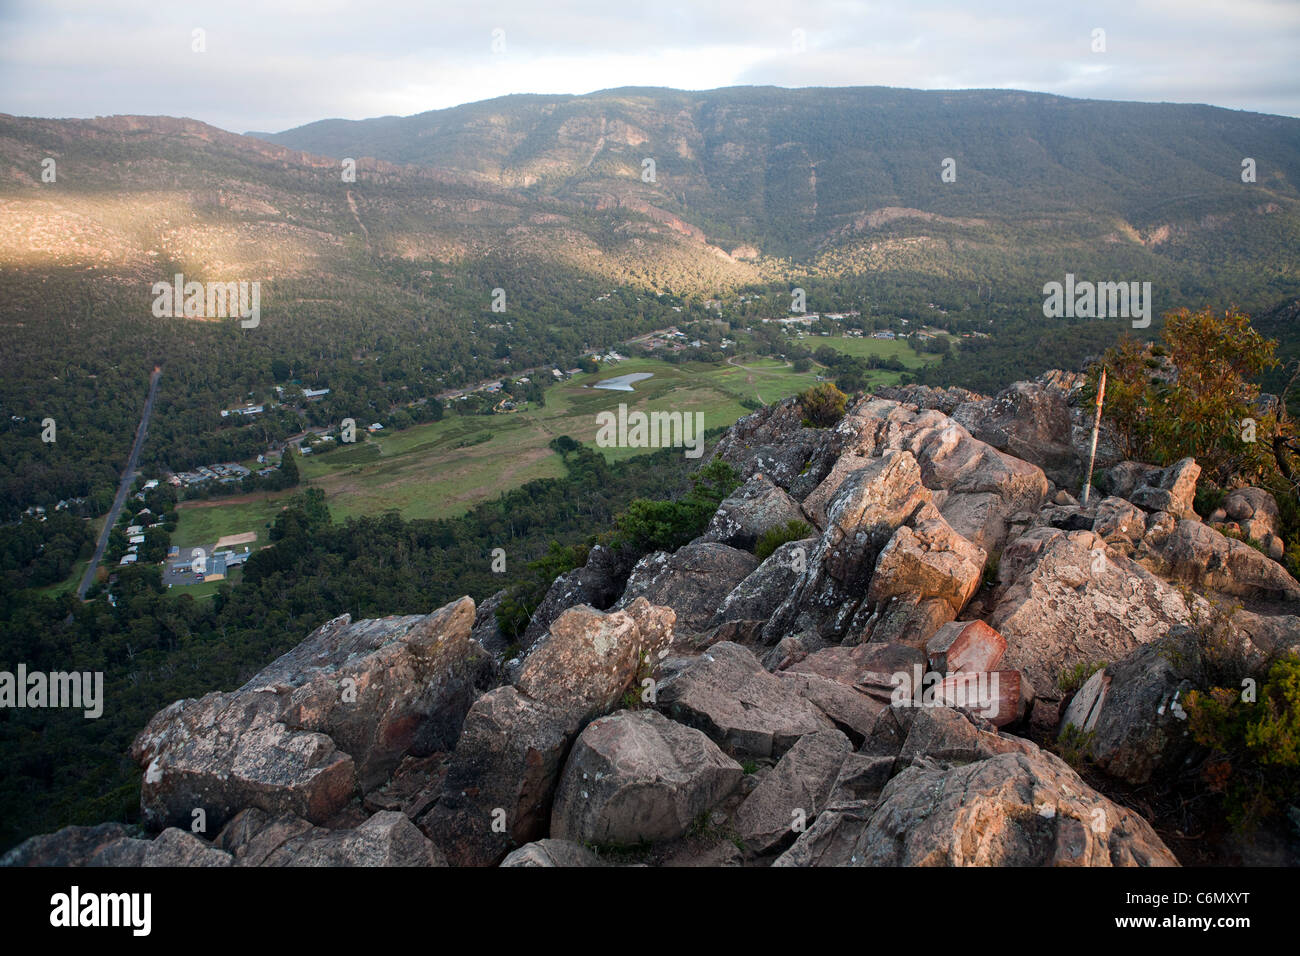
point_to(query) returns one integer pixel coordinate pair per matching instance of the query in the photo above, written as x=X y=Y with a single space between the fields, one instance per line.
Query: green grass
x=202 y=523
x=444 y=468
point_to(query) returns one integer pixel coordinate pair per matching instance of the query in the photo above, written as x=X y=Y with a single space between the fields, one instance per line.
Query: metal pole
x=1096 y=426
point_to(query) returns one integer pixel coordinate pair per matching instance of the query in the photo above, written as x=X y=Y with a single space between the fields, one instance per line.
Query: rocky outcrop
x=499 y=786
x=326 y=721
x=755 y=507
x=1012 y=809
x=635 y=777
x=693 y=581
x=1030 y=421
x=1171 y=489
x=728 y=695
x=1067 y=599
x=864 y=696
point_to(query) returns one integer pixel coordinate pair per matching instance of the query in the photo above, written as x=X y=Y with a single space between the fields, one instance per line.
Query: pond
x=623 y=383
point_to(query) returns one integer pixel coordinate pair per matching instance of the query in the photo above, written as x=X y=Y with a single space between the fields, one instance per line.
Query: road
x=123 y=489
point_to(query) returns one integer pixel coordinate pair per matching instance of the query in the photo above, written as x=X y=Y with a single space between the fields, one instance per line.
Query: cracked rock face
x=637 y=776
x=693 y=581
x=1013 y=809
x=330 y=718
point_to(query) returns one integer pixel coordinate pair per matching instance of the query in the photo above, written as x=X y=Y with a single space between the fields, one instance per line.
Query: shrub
x=823 y=405
x=773 y=538
x=1254 y=743
x=1072 y=678
x=667 y=525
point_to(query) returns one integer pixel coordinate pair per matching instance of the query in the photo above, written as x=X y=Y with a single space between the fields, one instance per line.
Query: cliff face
x=869 y=695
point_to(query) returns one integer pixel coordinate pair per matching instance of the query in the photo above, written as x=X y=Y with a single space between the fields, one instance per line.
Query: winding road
x=124 y=488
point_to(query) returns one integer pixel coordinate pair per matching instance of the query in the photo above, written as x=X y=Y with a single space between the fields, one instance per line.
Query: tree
x=1192 y=397
x=288 y=468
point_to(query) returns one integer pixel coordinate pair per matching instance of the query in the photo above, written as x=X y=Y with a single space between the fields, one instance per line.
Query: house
x=151 y=484
x=135 y=529
x=127 y=559
x=244 y=410
x=136 y=539
x=375 y=427
x=314 y=392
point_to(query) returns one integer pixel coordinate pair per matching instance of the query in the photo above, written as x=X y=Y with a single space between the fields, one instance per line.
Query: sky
x=270 y=66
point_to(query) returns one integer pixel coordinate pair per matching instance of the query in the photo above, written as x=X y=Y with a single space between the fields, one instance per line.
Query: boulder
x=225 y=752
x=1067 y=599
x=114 y=845
x=852 y=711
x=1124 y=478
x=793 y=794
x=755 y=507
x=1171 y=489
x=924 y=576
x=486 y=632
x=598 y=584
x=552 y=853
x=1198 y=555
x=873 y=503
x=70 y=846
x=965 y=646
x=1255 y=513
x=589 y=658
x=1000 y=697
x=501 y=779
x=831 y=839
x=762 y=591
x=951 y=737
x=1030 y=421
x=693 y=581
x=946 y=400
x=876 y=669
x=1012 y=809
x=1121 y=524
x=336 y=713
x=748 y=712
x=980 y=490
x=387 y=838
x=1132 y=713
x=774 y=442
x=499 y=786
x=637 y=776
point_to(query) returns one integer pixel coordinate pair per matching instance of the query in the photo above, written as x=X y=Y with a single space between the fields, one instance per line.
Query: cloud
x=273 y=65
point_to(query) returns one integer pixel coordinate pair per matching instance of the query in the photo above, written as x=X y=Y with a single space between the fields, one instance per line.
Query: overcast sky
x=271 y=65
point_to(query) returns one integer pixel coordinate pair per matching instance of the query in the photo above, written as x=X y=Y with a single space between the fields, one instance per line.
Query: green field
x=445 y=468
